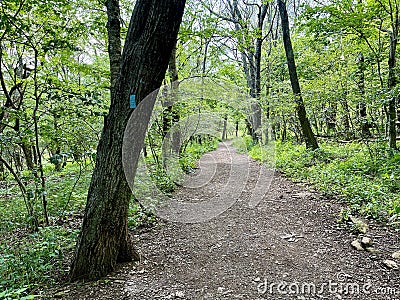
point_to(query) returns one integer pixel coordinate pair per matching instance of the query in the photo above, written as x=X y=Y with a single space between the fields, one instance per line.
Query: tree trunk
x=251 y=62
x=224 y=129
x=362 y=107
x=237 y=128
x=27 y=149
x=175 y=117
x=256 y=121
x=256 y=74
x=104 y=238
x=346 y=119
x=114 y=41
x=391 y=85
x=171 y=115
x=331 y=115
x=308 y=134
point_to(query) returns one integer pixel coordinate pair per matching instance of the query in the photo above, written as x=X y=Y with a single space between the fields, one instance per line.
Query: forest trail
x=292 y=236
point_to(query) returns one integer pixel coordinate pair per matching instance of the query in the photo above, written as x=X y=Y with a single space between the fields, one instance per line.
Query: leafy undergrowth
x=366 y=176
x=28 y=261
x=31 y=262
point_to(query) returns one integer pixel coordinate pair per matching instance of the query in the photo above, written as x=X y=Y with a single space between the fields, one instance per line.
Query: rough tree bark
x=309 y=137
x=104 y=238
x=114 y=41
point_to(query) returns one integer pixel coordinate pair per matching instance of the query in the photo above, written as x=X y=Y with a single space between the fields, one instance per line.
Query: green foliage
x=195 y=150
x=188 y=158
x=259 y=153
x=244 y=144
x=162 y=179
x=139 y=217
x=30 y=260
x=66 y=193
x=367 y=177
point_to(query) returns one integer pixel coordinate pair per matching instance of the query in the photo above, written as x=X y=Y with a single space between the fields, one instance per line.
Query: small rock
x=357 y=245
x=396 y=255
x=302 y=195
x=221 y=289
x=366 y=241
x=371 y=249
x=179 y=294
x=390 y=264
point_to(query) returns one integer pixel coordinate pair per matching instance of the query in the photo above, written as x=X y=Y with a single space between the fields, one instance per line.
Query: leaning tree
x=104 y=239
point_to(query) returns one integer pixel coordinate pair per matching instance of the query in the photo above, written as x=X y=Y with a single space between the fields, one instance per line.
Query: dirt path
x=288 y=247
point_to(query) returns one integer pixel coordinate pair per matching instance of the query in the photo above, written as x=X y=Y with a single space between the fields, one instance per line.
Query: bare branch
x=225 y=18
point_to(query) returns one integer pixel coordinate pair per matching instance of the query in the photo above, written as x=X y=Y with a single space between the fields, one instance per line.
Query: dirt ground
x=289 y=246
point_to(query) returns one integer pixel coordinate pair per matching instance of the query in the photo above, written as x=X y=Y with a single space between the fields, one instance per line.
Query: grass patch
x=367 y=177
x=29 y=261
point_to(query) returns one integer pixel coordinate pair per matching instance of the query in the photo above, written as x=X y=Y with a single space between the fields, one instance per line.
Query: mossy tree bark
x=104 y=238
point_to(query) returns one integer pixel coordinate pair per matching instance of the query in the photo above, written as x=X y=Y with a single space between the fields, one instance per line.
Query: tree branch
x=225 y=18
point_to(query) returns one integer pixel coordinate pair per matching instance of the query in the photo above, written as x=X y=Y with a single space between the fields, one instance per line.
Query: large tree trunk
x=311 y=141
x=104 y=238
x=114 y=41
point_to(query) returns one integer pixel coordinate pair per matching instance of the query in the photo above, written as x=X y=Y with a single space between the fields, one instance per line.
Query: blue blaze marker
x=132 y=101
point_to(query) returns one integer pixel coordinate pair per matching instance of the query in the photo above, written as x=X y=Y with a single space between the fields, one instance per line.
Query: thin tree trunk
x=175 y=117
x=224 y=129
x=104 y=238
x=308 y=134
x=171 y=115
x=331 y=115
x=27 y=149
x=256 y=77
x=346 y=119
x=391 y=84
x=362 y=107
x=40 y=174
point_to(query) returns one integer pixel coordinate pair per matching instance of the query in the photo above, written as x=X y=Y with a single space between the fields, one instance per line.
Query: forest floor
x=290 y=246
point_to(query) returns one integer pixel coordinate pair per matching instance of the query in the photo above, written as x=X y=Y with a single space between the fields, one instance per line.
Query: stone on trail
x=357 y=245
x=396 y=255
x=390 y=264
x=366 y=241
x=371 y=249
x=179 y=294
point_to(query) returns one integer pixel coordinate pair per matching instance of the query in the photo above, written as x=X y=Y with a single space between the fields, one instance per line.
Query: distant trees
x=370 y=31
x=252 y=24
x=49 y=103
